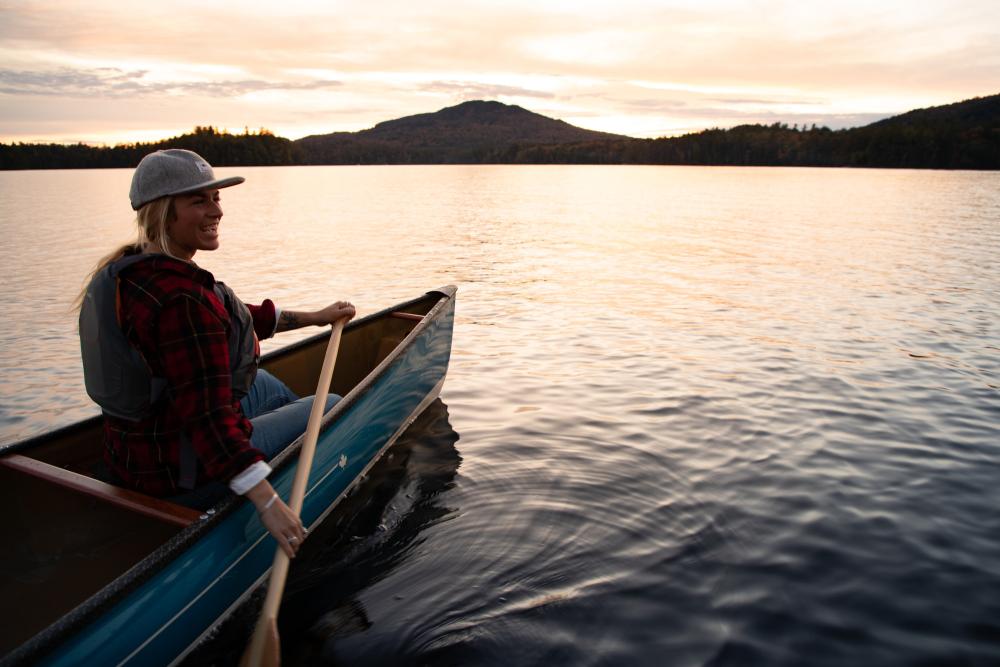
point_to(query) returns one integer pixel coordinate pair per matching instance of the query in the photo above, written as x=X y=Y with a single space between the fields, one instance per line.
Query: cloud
x=68 y=81
x=763 y=42
x=275 y=64
x=117 y=83
x=761 y=101
x=470 y=90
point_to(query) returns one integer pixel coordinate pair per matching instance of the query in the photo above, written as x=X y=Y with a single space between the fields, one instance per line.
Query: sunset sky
x=108 y=72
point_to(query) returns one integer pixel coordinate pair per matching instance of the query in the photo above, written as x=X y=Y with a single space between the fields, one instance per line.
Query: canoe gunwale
x=161 y=557
x=291 y=452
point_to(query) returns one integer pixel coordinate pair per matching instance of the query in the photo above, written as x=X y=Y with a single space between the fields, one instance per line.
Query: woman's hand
x=278 y=518
x=294 y=319
x=336 y=311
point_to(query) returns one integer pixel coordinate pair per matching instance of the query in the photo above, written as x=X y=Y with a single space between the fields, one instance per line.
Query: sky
x=108 y=72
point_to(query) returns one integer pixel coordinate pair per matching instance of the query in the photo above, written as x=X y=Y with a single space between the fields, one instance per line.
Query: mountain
x=964 y=135
x=976 y=111
x=468 y=132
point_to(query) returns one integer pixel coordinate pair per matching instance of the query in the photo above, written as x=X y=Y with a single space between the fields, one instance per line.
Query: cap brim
x=217 y=184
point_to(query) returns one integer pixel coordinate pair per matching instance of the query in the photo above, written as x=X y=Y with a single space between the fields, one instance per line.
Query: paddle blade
x=265 y=647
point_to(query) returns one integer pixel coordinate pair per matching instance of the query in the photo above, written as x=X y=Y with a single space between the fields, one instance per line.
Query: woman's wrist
x=261 y=494
x=269 y=503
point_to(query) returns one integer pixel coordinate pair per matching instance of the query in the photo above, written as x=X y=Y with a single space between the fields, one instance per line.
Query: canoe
x=99 y=575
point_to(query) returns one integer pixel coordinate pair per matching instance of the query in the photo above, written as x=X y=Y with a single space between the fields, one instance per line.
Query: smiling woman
x=171 y=356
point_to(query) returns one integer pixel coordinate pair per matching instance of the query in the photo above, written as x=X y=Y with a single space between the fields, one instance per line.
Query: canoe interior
x=62 y=546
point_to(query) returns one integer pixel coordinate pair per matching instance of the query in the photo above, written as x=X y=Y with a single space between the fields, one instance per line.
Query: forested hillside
x=964 y=135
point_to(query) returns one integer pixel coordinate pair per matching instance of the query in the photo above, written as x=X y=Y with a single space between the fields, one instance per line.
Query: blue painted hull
x=162 y=619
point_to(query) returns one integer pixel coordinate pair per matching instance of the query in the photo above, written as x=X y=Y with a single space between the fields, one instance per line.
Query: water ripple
x=707 y=416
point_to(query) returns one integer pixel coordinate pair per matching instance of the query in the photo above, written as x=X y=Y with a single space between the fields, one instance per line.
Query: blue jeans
x=278 y=417
x=277 y=414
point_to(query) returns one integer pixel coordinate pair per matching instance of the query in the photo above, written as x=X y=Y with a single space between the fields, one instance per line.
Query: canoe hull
x=166 y=616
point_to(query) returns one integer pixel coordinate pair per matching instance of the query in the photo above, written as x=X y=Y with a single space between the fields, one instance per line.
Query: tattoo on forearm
x=289 y=320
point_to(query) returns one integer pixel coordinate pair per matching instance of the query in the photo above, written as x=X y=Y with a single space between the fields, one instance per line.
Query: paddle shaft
x=279 y=569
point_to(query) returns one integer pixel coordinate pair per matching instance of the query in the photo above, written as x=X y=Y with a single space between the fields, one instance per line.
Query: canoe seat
x=139 y=503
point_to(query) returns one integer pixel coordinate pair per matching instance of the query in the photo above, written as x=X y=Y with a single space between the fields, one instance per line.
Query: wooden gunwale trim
x=154 y=508
x=407 y=316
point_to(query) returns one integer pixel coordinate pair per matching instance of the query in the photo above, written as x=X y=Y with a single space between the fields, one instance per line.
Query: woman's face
x=196 y=223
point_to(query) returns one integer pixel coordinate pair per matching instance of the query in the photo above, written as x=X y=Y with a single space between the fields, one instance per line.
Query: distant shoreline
x=532 y=164
x=964 y=135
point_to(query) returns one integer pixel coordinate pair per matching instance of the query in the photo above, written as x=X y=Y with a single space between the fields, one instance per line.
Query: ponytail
x=151 y=221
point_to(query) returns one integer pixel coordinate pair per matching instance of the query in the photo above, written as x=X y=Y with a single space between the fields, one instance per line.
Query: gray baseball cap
x=173 y=171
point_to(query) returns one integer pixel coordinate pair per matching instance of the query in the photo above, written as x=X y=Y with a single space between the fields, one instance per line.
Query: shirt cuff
x=249 y=478
x=277 y=316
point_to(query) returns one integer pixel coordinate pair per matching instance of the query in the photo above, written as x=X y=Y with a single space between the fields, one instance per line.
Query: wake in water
x=370 y=534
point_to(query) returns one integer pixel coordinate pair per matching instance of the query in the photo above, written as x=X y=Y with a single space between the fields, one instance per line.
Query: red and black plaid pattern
x=170 y=313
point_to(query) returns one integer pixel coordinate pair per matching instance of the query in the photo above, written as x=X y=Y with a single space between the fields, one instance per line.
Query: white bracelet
x=269 y=502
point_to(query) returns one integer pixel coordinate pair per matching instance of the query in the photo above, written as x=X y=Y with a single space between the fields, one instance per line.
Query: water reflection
x=727 y=416
x=375 y=532
x=367 y=538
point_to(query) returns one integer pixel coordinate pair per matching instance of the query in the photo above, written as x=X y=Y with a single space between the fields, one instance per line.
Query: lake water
x=694 y=416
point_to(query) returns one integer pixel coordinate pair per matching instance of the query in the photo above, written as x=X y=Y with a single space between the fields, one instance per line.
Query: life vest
x=117 y=376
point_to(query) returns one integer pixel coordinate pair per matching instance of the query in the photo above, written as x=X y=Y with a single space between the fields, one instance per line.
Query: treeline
x=746 y=145
x=220 y=148
x=964 y=135
x=366 y=150
x=345 y=148
x=779 y=145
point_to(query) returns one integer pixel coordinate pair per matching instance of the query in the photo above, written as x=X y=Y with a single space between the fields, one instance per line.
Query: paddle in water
x=265 y=646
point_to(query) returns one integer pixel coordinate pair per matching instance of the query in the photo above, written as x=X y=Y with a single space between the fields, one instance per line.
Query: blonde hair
x=151 y=221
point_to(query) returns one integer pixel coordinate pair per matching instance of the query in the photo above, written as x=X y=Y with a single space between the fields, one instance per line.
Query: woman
x=170 y=355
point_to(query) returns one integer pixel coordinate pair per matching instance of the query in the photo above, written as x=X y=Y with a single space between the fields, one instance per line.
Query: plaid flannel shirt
x=170 y=313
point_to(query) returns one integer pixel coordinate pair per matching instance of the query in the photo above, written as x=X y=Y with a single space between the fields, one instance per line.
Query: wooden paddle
x=265 y=647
